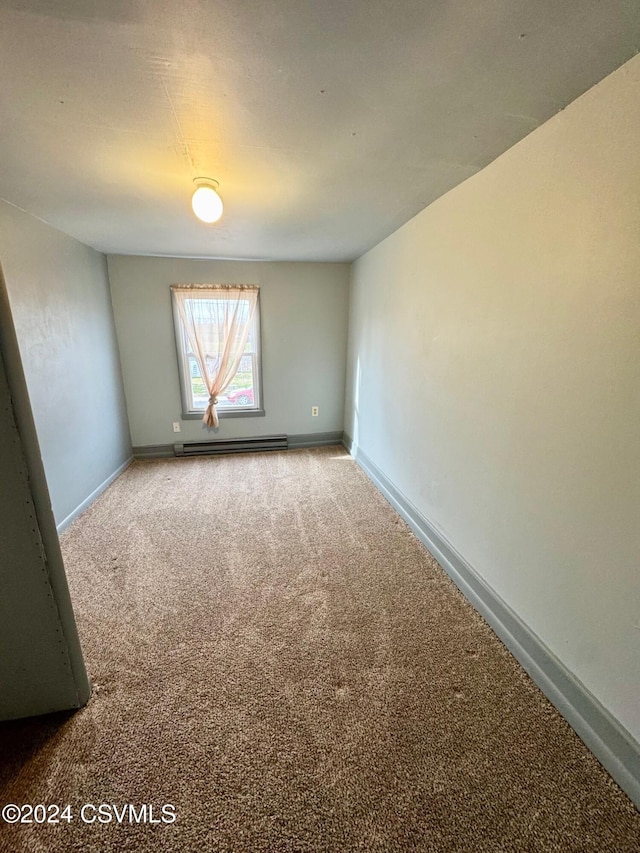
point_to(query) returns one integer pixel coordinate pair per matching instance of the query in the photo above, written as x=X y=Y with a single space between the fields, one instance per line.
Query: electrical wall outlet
x=315 y=411
x=176 y=426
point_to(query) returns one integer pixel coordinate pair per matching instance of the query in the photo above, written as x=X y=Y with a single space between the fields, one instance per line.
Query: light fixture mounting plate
x=207 y=182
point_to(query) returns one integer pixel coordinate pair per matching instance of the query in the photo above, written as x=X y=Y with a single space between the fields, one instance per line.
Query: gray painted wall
x=304 y=337
x=41 y=665
x=494 y=379
x=59 y=295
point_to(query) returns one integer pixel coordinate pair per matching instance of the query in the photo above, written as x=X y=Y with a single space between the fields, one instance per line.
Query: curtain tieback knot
x=213 y=401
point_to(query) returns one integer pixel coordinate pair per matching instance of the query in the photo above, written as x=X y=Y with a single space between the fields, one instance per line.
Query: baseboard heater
x=236 y=445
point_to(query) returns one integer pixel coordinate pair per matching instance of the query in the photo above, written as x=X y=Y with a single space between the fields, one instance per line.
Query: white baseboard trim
x=94 y=494
x=608 y=740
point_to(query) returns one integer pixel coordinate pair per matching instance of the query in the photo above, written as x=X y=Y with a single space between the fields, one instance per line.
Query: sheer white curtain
x=217 y=320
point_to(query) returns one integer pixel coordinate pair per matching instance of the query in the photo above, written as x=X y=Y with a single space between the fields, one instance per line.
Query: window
x=218 y=342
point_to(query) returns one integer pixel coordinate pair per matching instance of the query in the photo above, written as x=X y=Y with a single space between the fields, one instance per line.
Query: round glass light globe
x=207 y=204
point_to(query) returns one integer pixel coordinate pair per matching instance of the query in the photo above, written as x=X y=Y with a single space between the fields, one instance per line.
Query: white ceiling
x=328 y=123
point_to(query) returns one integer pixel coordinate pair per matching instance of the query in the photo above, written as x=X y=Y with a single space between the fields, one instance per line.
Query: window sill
x=225 y=413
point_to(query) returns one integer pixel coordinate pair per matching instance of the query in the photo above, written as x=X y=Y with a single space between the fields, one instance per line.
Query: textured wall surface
x=304 y=338
x=59 y=295
x=494 y=377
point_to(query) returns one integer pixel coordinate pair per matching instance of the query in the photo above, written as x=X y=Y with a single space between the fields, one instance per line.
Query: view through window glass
x=243 y=392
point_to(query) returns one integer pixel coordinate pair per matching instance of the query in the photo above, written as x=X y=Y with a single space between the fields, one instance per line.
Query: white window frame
x=191 y=413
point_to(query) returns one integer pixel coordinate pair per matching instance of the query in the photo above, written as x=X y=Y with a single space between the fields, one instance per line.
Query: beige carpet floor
x=275 y=655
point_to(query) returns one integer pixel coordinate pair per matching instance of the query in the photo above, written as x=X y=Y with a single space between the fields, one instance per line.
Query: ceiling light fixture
x=206 y=203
